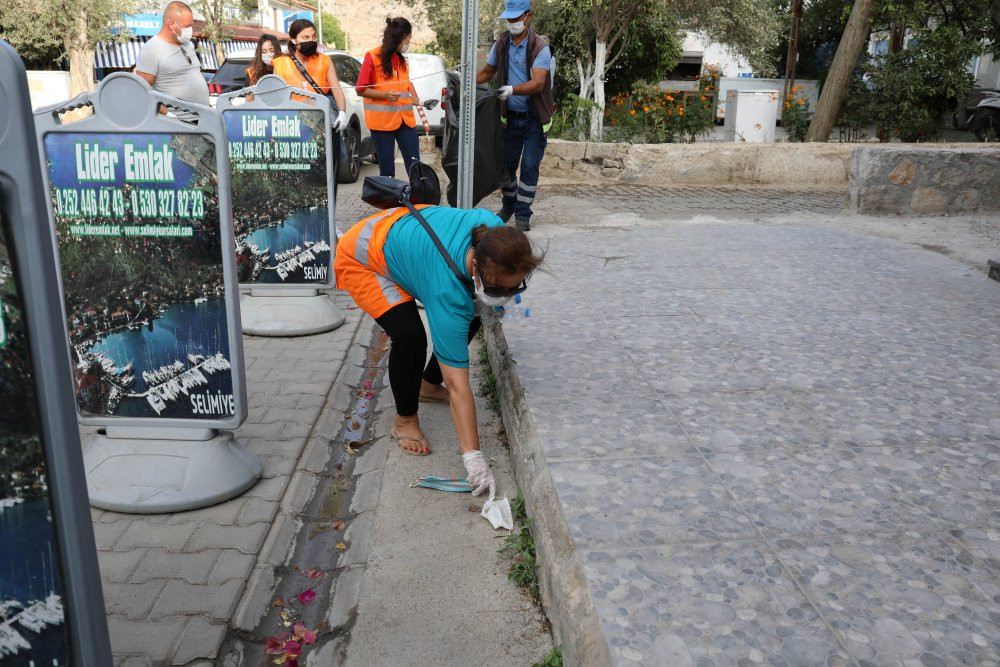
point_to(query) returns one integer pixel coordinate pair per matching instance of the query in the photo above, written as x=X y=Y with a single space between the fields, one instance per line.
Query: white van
x=427 y=74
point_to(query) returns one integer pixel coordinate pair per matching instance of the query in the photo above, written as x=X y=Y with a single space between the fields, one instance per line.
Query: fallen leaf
x=341 y=546
x=355 y=424
x=280 y=660
x=355 y=445
x=312 y=573
x=279 y=602
x=307 y=596
x=286 y=618
x=339 y=525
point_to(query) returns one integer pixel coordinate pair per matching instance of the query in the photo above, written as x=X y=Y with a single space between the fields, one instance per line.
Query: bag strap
x=312 y=82
x=462 y=278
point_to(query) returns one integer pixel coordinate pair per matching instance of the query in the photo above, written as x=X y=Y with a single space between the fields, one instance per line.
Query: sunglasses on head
x=500 y=291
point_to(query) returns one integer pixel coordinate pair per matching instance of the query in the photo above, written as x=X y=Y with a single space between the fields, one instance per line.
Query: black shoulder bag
x=385 y=192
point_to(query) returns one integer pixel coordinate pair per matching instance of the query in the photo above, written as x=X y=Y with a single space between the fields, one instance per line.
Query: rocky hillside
x=364 y=21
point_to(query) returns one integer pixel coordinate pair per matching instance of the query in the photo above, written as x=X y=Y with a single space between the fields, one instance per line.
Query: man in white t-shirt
x=168 y=61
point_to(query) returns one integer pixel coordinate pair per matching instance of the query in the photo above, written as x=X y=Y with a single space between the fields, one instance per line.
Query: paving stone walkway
x=772 y=444
x=173 y=582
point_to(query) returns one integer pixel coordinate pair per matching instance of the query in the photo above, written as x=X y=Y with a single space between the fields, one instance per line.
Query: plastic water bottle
x=516 y=309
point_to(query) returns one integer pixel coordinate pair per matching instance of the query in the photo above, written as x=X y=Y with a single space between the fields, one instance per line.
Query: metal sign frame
x=271 y=93
x=23 y=202
x=125 y=104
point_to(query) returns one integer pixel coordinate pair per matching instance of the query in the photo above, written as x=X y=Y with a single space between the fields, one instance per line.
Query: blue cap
x=515 y=8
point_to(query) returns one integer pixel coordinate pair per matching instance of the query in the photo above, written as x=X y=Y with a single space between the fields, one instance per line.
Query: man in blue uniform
x=521 y=60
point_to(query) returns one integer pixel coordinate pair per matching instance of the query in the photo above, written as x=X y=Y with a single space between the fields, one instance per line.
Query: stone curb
x=563 y=586
x=257 y=597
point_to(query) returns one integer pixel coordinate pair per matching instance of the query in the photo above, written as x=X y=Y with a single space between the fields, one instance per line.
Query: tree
x=749 y=27
x=33 y=25
x=217 y=14
x=333 y=32
x=832 y=96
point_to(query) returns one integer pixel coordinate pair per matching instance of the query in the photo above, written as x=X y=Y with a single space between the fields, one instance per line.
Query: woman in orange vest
x=302 y=55
x=268 y=48
x=387 y=260
x=390 y=97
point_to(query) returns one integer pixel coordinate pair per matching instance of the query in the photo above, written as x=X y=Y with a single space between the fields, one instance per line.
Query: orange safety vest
x=385 y=115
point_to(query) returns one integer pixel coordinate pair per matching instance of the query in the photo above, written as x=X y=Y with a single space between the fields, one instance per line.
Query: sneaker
x=523 y=224
x=504 y=214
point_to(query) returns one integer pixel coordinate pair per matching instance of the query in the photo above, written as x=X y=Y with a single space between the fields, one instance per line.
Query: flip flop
x=400 y=438
x=434 y=399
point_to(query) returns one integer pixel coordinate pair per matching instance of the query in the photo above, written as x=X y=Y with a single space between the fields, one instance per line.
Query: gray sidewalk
x=767 y=443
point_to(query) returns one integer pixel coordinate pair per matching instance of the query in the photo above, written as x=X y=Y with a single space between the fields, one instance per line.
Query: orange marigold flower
x=787 y=105
x=802 y=103
x=670 y=99
x=632 y=112
x=702 y=98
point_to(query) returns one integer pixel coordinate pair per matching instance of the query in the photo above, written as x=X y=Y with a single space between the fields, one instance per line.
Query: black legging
x=406 y=355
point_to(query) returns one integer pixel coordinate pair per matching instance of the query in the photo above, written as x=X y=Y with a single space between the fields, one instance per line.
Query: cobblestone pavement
x=771 y=443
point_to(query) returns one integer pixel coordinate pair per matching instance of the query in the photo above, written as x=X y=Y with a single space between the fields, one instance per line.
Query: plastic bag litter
x=444 y=484
x=498 y=513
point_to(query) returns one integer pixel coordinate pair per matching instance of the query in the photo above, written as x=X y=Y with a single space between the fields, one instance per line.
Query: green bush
x=796 y=115
x=650 y=115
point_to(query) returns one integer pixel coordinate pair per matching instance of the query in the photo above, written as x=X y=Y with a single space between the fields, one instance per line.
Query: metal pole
x=467 y=109
x=319 y=23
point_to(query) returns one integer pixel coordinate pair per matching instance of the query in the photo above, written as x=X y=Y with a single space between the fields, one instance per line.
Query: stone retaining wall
x=923 y=181
x=825 y=165
x=890 y=178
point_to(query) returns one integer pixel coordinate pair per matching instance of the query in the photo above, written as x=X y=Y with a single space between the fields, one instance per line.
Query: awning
x=122 y=55
x=206 y=51
x=118 y=55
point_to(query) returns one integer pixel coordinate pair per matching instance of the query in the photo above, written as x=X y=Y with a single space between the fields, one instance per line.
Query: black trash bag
x=425 y=188
x=488 y=170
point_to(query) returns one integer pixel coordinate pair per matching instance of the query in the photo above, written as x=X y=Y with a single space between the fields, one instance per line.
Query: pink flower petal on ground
x=309 y=637
x=292 y=649
x=307 y=596
x=367 y=384
x=298 y=630
x=312 y=573
x=291 y=662
x=275 y=645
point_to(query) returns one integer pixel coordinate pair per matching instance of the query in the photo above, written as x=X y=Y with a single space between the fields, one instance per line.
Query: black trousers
x=406 y=355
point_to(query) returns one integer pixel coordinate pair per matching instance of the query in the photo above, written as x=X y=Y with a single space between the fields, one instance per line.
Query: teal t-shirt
x=416 y=265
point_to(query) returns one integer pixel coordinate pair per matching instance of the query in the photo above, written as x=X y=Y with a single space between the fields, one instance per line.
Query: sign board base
x=153 y=475
x=275 y=314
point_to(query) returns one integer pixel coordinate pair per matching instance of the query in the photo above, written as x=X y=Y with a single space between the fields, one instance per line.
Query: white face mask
x=486 y=299
x=267 y=58
x=186 y=35
x=516 y=28
x=406 y=47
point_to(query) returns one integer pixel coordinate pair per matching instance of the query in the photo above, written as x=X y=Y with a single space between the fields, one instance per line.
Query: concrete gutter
x=563 y=586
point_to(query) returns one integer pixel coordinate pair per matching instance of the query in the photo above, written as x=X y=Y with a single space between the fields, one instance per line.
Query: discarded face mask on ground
x=497 y=512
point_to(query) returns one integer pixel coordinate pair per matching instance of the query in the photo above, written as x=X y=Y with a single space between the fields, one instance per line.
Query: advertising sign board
x=140 y=203
x=145 y=264
x=51 y=606
x=282 y=171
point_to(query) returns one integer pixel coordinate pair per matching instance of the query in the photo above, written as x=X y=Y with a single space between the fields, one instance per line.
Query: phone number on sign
x=279 y=150
x=140 y=202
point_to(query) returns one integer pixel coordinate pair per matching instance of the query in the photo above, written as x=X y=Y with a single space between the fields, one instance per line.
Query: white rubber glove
x=480 y=475
x=506 y=91
x=429 y=104
x=340 y=122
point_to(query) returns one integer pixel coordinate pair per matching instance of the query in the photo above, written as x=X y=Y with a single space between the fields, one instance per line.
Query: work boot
x=523 y=224
x=504 y=214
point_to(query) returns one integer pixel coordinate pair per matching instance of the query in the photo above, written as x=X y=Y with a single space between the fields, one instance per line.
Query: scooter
x=981 y=114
